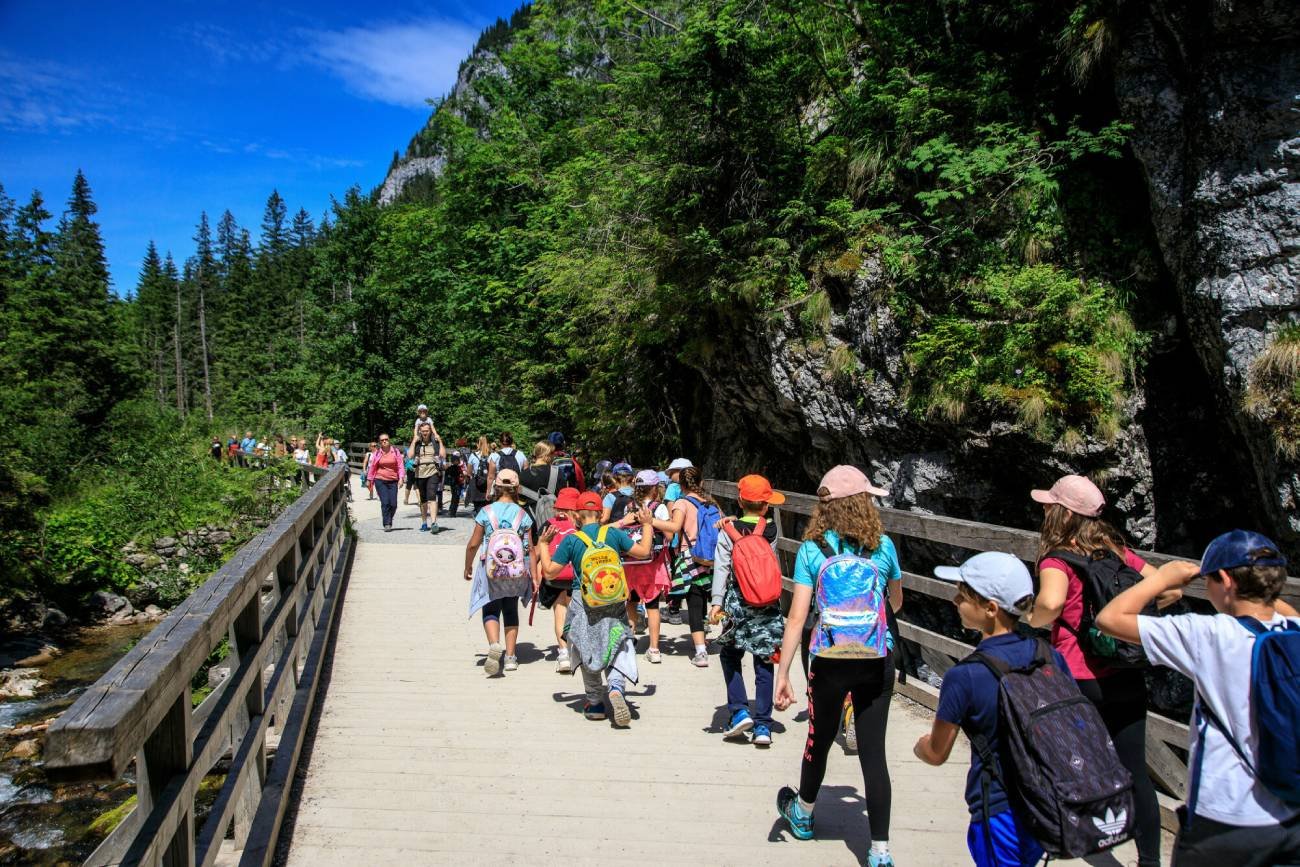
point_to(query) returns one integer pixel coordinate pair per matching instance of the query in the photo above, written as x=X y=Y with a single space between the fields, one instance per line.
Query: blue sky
x=173 y=108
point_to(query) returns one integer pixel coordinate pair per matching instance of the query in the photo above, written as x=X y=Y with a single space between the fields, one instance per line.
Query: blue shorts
x=1012 y=845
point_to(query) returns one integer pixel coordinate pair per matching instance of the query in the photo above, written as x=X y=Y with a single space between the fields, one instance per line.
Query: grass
x=1272 y=391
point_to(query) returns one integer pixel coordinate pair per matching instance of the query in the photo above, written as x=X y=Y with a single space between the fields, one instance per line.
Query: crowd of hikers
x=1056 y=720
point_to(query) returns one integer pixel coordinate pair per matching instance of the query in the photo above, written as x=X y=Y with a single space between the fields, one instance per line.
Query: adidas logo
x=1111 y=823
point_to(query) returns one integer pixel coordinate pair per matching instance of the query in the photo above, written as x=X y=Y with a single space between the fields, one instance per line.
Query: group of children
x=1057 y=763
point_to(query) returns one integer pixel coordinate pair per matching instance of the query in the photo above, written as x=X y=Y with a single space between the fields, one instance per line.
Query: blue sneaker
x=883 y=859
x=787 y=804
x=594 y=712
x=424 y=528
x=762 y=736
x=741 y=722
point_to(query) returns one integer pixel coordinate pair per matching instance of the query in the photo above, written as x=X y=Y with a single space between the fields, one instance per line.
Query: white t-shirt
x=302 y=456
x=495 y=458
x=1215 y=651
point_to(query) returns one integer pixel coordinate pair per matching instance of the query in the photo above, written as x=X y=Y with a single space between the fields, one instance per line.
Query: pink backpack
x=503 y=556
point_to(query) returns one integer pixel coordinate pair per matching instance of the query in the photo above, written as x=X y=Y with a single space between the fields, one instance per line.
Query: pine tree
x=152 y=297
x=204 y=281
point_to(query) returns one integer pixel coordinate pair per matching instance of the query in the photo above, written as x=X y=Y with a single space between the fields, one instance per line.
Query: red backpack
x=563 y=529
x=754 y=563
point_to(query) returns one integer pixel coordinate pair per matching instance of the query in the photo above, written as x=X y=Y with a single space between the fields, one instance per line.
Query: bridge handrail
x=1165 y=765
x=274 y=601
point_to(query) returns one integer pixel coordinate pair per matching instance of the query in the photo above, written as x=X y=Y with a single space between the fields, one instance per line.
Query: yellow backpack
x=602 y=580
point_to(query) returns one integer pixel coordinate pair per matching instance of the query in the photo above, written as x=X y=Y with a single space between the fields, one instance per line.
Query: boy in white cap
x=993 y=591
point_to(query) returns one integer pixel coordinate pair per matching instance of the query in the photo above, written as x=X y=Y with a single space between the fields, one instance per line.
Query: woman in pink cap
x=1073 y=535
x=849 y=565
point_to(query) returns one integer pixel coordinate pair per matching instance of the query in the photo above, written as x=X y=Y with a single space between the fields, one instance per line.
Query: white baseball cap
x=993 y=575
x=680 y=464
x=423 y=406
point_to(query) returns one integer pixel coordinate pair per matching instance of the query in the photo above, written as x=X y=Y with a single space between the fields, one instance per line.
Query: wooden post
x=246 y=638
x=167 y=753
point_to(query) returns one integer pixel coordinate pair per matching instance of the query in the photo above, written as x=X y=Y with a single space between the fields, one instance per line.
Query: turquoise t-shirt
x=672 y=492
x=570 y=550
x=808 y=561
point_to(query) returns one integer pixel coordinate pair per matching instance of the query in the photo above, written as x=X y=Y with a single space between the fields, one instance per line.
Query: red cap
x=589 y=501
x=567 y=499
x=757 y=489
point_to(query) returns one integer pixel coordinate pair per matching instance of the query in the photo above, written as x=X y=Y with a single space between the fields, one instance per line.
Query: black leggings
x=1122 y=700
x=652 y=605
x=697 y=606
x=872 y=683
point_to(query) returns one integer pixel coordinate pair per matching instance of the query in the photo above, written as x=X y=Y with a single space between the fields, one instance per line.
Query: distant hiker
x=571 y=475
x=453 y=480
x=427 y=451
x=505 y=457
x=215 y=449
x=387 y=471
x=371 y=450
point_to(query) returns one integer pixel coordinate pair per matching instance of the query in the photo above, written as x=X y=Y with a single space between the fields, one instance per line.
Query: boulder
x=27 y=749
x=20 y=683
x=54 y=618
x=153 y=612
x=165 y=543
x=108 y=603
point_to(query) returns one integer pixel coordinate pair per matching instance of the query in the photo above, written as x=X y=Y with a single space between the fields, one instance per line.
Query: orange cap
x=757 y=489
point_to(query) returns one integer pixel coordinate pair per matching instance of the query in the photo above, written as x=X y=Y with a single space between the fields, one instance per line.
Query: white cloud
x=401 y=64
x=38 y=96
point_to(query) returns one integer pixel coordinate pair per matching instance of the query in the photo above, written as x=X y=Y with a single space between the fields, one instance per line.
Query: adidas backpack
x=707 y=515
x=1105 y=575
x=754 y=563
x=850 y=600
x=1062 y=775
x=503 y=556
x=602 y=581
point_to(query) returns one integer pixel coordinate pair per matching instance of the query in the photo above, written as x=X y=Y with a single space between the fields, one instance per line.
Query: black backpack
x=508 y=461
x=481 y=475
x=1060 y=770
x=622 y=502
x=1105 y=575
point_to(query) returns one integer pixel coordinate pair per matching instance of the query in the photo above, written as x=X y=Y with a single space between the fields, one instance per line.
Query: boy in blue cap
x=1230 y=817
x=993 y=591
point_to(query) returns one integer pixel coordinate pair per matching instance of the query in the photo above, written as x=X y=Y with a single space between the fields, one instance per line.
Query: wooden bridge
x=356 y=727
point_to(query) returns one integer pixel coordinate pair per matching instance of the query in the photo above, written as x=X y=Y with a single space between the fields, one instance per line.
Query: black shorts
x=428 y=488
x=550 y=593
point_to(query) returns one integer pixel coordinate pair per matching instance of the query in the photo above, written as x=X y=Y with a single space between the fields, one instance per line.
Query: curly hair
x=1064 y=529
x=854 y=519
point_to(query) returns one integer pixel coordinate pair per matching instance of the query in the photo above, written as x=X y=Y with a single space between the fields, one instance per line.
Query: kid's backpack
x=707 y=516
x=563 y=529
x=508 y=460
x=635 y=531
x=622 y=502
x=850 y=598
x=602 y=580
x=1275 y=709
x=754 y=563
x=1061 y=772
x=1105 y=575
x=504 y=553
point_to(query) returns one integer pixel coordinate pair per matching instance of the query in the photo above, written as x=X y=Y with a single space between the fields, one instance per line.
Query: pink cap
x=845 y=481
x=1075 y=493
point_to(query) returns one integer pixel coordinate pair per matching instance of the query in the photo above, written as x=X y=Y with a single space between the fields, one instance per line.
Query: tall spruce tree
x=205 y=286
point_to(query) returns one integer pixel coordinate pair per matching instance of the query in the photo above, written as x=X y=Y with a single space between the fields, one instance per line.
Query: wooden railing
x=1166 y=766
x=274 y=602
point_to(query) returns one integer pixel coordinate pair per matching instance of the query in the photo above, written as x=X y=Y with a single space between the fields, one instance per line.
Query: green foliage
x=1273 y=390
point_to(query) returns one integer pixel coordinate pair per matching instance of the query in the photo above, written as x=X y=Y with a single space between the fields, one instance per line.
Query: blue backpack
x=850 y=596
x=1275 y=706
x=706 y=530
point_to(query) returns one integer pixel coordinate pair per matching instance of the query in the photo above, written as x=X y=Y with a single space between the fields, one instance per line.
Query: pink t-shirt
x=1082 y=667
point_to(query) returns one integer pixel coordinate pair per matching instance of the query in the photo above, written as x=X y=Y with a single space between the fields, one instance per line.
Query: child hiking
x=500 y=562
x=1243 y=790
x=695 y=517
x=647 y=578
x=746 y=592
x=597 y=627
x=849 y=567
x=554 y=593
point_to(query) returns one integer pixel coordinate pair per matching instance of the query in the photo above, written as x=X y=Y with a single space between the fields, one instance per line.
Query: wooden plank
x=933 y=640
x=165 y=758
x=1165 y=766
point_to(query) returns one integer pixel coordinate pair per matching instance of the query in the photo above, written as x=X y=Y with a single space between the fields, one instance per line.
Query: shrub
x=1273 y=390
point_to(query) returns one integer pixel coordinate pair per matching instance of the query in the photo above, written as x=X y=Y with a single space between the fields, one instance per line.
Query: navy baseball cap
x=1240 y=548
x=622 y=468
x=556 y=439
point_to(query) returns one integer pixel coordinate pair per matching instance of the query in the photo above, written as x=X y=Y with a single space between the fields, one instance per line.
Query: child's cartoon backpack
x=754 y=563
x=602 y=580
x=850 y=602
x=563 y=529
x=1061 y=772
x=636 y=532
x=707 y=516
x=503 y=555
x=1105 y=575
x=1274 y=708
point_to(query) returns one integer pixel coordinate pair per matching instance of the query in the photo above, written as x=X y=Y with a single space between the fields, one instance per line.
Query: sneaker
x=512 y=663
x=880 y=859
x=787 y=804
x=741 y=722
x=562 y=664
x=674 y=617
x=762 y=736
x=701 y=659
x=424 y=528
x=654 y=656
x=593 y=712
x=850 y=733
x=618 y=704
x=492 y=665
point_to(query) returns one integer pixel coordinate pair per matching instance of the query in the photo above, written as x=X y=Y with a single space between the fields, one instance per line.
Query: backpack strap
x=1204 y=717
x=492 y=517
x=586 y=540
x=729 y=527
x=600 y=537
x=555 y=477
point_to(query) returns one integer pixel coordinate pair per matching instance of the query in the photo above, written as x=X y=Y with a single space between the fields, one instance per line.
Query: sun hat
x=757 y=489
x=680 y=464
x=508 y=477
x=993 y=575
x=423 y=406
x=647 y=477
x=622 y=468
x=846 y=481
x=1076 y=493
x=567 y=499
x=589 y=501
x=1240 y=548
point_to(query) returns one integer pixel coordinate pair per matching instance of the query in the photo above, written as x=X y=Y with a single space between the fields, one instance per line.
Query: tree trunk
x=203 y=346
x=176 y=341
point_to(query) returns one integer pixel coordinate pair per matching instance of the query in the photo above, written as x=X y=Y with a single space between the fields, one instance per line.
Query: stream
x=45 y=823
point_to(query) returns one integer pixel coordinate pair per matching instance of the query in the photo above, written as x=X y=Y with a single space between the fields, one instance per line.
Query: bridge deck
x=419 y=759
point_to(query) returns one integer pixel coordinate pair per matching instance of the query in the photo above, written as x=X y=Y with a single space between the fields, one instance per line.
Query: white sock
x=700 y=648
x=805 y=806
x=879 y=847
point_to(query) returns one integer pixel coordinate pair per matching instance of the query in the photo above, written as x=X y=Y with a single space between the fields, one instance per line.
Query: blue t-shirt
x=672 y=492
x=608 y=501
x=969 y=698
x=808 y=561
x=572 y=548
x=507 y=514
x=247 y=444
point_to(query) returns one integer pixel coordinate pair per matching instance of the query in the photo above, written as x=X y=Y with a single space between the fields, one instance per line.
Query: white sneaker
x=562 y=664
x=512 y=663
x=700 y=660
x=850 y=737
x=654 y=656
x=492 y=665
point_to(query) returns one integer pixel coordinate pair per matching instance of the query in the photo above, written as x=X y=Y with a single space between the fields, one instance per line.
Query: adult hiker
x=505 y=457
x=479 y=468
x=427 y=451
x=500 y=561
x=453 y=478
x=540 y=482
x=570 y=470
x=387 y=472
